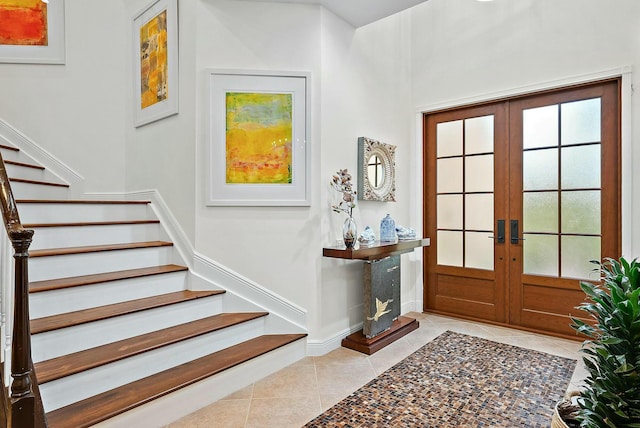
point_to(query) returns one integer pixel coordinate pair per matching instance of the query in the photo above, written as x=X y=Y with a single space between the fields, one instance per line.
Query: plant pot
x=556 y=420
x=566 y=408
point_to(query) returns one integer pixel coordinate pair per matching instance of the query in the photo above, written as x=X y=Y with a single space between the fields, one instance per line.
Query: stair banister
x=23 y=407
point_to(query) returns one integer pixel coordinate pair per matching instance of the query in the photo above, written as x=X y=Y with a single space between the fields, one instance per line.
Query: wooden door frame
x=608 y=92
x=497 y=311
x=429 y=212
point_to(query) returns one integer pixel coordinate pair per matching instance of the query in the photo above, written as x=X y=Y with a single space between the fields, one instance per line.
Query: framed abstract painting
x=155 y=59
x=32 y=31
x=258 y=141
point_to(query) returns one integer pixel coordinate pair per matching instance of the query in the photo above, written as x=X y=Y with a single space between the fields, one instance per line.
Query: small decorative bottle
x=387 y=229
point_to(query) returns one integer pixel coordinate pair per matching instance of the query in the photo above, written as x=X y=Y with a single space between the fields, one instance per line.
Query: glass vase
x=349 y=232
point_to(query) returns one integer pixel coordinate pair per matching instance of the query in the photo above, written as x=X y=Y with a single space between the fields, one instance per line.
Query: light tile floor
x=302 y=391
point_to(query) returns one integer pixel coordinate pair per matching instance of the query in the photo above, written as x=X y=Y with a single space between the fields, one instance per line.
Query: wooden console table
x=373 y=340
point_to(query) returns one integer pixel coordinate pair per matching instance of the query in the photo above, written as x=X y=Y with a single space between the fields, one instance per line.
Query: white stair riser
x=26 y=173
x=77 y=338
x=72 y=213
x=16 y=156
x=47 y=303
x=167 y=409
x=52 y=267
x=74 y=388
x=38 y=191
x=80 y=236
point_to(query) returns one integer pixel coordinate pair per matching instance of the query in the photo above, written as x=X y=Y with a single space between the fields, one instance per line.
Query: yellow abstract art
x=154 y=61
x=258 y=138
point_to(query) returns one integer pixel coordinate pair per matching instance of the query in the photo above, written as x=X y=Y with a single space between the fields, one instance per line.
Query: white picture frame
x=156 y=107
x=52 y=53
x=222 y=192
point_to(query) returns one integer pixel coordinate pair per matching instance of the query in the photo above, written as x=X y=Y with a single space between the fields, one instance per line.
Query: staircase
x=117 y=332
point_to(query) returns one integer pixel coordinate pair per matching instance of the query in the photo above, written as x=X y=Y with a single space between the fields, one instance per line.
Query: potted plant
x=611 y=354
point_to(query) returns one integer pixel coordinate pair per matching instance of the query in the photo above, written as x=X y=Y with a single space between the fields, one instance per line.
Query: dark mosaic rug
x=458 y=381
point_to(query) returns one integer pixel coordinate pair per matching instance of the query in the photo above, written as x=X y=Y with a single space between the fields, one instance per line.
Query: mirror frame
x=386 y=192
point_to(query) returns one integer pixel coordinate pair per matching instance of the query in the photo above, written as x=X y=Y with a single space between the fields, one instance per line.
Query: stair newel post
x=22 y=396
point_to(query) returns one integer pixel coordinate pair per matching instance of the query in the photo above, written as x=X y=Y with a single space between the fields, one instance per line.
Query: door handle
x=500 y=235
x=515 y=232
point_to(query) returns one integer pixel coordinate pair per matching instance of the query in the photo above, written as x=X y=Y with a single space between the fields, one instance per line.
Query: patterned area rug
x=458 y=381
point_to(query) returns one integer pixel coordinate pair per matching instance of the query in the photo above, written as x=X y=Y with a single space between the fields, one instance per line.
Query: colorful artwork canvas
x=24 y=22
x=154 y=61
x=259 y=138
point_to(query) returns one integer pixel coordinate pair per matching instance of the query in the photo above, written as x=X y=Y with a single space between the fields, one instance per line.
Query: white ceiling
x=359 y=12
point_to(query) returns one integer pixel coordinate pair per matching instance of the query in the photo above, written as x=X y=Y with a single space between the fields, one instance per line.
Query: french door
x=520 y=196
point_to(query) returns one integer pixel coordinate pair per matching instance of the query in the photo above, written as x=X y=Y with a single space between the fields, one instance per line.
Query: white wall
x=161 y=155
x=466 y=50
x=277 y=247
x=76 y=111
x=359 y=88
x=366 y=91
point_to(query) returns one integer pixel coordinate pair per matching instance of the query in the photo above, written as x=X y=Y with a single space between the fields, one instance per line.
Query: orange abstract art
x=23 y=22
x=259 y=138
x=153 y=61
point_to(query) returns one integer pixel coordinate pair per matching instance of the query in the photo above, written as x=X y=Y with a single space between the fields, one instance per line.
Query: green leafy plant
x=611 y=355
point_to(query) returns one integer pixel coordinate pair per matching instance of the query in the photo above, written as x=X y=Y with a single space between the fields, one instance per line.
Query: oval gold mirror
x=376 y=170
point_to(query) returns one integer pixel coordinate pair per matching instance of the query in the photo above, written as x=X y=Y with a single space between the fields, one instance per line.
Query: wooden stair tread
x=26 y=165
x=70 y=364
x=42 y=183
x=90 y=223
x=79 y=201
x=97 y=248
x=69 y=319
x=4 y=146
x=77 y=281
x=111 y=403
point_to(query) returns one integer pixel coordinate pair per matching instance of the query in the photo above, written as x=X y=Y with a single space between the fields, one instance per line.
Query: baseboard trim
x=316 y=348
x=225 y=278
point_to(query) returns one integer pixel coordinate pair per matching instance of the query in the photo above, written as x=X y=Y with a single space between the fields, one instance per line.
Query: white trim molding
x=524 y=90
x=12 y=137
x=249 y=290
x=316 y=348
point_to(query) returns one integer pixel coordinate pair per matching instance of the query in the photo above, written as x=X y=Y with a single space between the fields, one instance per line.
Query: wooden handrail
x=23 y=406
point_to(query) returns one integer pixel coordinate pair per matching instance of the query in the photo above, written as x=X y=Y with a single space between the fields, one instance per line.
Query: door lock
x=500 y=235
x=514 y=232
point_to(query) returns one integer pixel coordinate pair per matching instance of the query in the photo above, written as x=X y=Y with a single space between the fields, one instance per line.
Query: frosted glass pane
x=540 y=169
x=479 y=173
x=540 y=127
x=540 y=212
x=580 y=167
x=540 y=254
x=479 y=212
x=450 y=212
x=580 y=122
x=577 y=252
x=449 y=248
x=478 y=250
x=478 y=133
x=581 y=212
x=449 y=175
x=449 y=138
